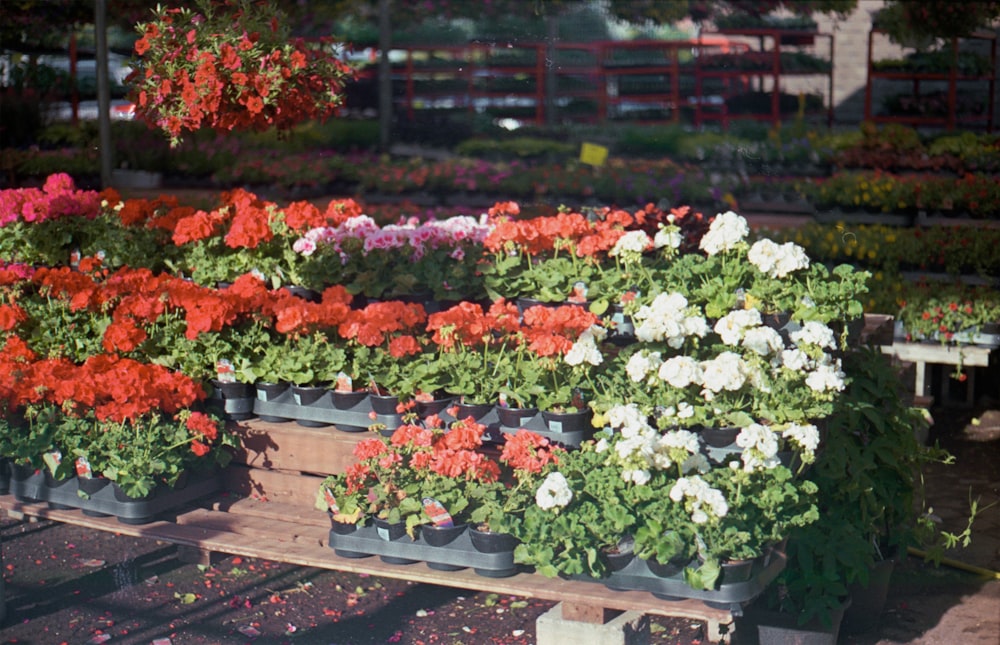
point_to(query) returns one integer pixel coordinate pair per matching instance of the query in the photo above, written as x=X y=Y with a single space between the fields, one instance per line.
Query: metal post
x=384 y=76
x=103 y=91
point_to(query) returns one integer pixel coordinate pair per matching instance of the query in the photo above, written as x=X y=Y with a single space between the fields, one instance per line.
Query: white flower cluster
x=641 y=364
x=805 y=438
x=633 y=243
x=725 y=232
x=667 y=319
x=760 y=447
x=777 y=260
x=668 y=237
x=585 y=349
x=814 y=333
x=639 y=448
x=763 y=340
x=734 y=325
x=554 y=492
x=823 y=371
x=727 y=371
x=701 y=500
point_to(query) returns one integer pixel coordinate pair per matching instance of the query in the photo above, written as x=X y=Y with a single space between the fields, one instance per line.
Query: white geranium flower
x=700 y=499
x=724 y=233
x=791 y=258
x=763 y=340
x=640 y=477
x=629 y=419
x=763 y=255
x=760 y=447
x=814 y=333
x=795 y=359
x=641 y=363
x=584 y=350
x=668 y=237
x=727 y=371
x=733 y=325
x=805 y=437
x=553 y=492
x=631 y=242
x=827 y=377
x=680 y=371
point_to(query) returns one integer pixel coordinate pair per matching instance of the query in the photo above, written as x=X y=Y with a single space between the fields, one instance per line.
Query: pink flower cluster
x=57 y=198
x=410 y=235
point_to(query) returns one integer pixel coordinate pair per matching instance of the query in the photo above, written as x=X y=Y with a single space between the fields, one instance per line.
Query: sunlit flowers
x=703 y=502
x=725 y=232
x=554 y=492
x=777 y=260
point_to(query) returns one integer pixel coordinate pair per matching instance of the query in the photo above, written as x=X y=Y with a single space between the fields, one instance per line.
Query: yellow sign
x=593 y=154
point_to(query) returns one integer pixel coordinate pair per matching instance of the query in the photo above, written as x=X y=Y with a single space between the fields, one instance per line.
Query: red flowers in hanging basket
x=231 y=65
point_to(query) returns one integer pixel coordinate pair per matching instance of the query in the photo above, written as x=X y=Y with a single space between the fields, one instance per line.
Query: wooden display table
x=920 y=354
x=266 y=512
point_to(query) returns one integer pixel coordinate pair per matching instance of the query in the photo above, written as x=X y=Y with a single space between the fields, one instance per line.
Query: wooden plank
x=287 y=446
x=967 y=355
x=293 y=489
x=267 y=510
x=301 y=547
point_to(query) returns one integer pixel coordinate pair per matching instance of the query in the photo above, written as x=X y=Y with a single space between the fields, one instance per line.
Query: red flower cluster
x=116 y=389
x=231 y=70
x=588 y=235
x=467 y=324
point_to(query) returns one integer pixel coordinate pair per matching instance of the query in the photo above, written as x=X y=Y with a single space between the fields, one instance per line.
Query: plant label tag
x=593 y=154
x=225 y=371
x=437 y=512
x=74 y=258
x=52 y=460
x=83 y=468
x=344 y=383
x=502 y=399
x=579 y=293
x=331 y=501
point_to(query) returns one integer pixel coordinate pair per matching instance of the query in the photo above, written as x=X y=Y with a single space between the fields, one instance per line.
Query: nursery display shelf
x=300 y=536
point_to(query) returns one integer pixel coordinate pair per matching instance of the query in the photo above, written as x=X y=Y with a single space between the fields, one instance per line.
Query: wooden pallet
x=267 y=512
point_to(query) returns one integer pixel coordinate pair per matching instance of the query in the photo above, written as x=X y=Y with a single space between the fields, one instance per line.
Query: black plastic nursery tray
x=458 y=554
x=323 y=412
x=636 y=576
x=110 y=501
x=551 y=430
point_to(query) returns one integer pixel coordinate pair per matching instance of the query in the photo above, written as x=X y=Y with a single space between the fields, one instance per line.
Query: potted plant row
x=110 y=436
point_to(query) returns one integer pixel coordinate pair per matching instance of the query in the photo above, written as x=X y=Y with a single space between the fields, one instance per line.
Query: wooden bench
x=266 y=511
x=922 y=354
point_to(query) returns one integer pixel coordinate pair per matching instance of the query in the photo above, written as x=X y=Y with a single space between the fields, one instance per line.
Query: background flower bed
x=864 y=168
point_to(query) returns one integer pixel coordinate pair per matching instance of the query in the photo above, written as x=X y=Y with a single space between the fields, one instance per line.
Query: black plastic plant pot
x=441 y=535
x=346 y=400
x=490 y=542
